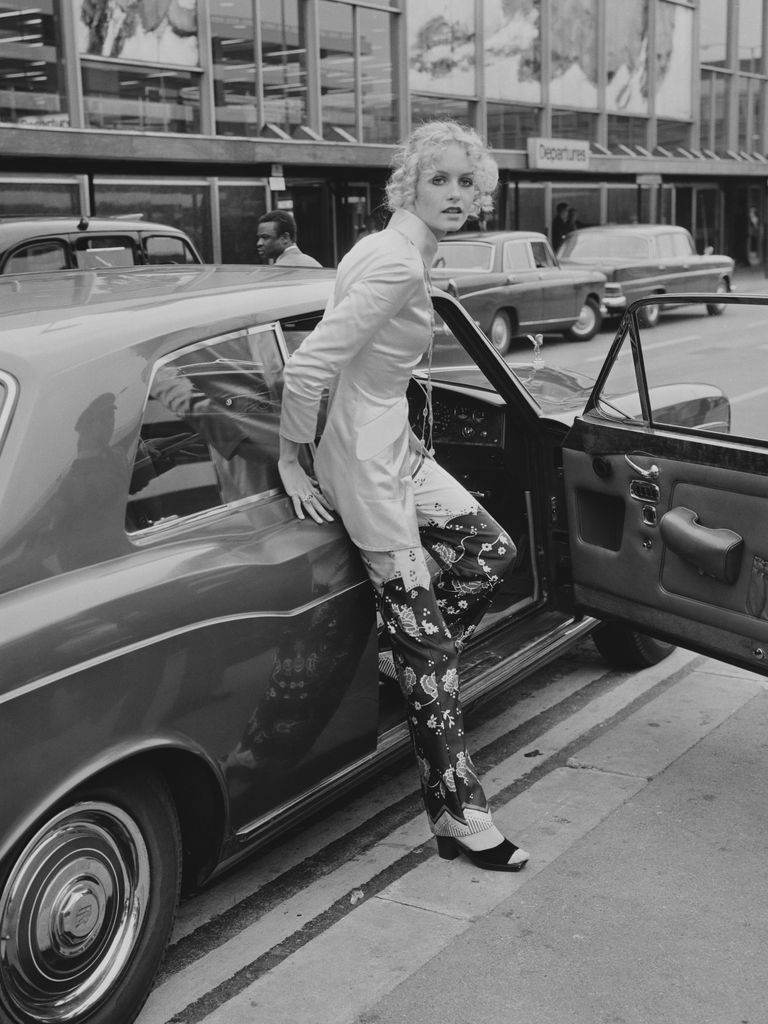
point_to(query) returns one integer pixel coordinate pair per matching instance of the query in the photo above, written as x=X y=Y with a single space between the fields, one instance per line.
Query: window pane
x=626 y=57
x=713 y=31
x=32 y=81
x=673 y=133
x=441 y=47
x=750 y=35
x=337 y=72
x=156 y=33
x=162 y=249
x=103 y=253
x=122 y=97
x=674 y=67
x=426 y=108
x=37 y=258
x=627 y=131
x=621 y=204
x=284 y=63
x=234 y=68
x=240 y=207
x=574 y=54
x=38 y=198
x=509 y=127
x=573 y=124
x=376 y=76
x=184 y=205
x=512 y=51
x=210 y=431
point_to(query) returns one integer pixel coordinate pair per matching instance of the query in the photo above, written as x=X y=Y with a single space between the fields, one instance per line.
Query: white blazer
x=375 y=329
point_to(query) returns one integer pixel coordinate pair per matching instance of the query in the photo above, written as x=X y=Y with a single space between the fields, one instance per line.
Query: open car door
x=667 y=499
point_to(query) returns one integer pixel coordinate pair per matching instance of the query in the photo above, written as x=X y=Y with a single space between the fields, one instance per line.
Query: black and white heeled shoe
x=504 y=857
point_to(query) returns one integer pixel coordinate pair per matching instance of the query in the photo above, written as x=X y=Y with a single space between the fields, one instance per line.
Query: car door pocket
x=712 y=552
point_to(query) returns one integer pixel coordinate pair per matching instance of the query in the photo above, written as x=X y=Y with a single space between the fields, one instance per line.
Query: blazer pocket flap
x=377 y=434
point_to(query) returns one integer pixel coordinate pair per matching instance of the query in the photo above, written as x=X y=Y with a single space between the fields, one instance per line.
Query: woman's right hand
x=303 y=491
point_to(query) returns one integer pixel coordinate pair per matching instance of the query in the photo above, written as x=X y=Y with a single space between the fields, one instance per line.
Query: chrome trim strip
x=12 y=386
x=139 y=645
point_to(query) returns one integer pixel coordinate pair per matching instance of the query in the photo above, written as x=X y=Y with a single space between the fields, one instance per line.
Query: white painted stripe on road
x=650 y=347
x=357 y=962
x=748 y=395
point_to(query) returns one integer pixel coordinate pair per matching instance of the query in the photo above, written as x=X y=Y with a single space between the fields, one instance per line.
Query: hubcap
x=71 y=912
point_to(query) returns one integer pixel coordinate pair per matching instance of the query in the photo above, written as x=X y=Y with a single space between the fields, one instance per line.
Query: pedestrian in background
x=276 y=241
x=382 y=479
x=560 y=225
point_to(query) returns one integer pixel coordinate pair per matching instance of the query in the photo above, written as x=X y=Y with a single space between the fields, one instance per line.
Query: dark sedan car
x=511 y=284
x=41 y=244
x=641 y=260
x=186 y=669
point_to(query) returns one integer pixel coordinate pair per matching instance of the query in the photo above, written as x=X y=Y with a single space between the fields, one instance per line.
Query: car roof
x=635 y=229
x=62 y=317
x=16 y=229
x=494 y=236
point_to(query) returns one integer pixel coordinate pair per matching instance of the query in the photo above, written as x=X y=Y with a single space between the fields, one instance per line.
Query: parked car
x=639 y=260
x=41 y=244
x=186 y=669
x=511 y=284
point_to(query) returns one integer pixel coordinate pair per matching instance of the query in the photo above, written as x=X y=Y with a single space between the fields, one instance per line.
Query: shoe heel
x=447 y=848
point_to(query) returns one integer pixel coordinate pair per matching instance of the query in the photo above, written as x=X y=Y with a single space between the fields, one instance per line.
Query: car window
x=167 y=249
x=38 y=257
x=683 y=244
x=100 y=252
x=665 y=246
x=543 y=255
x=464 y=256
x=599 y=244
x=517 y=256
x=677 y=387
x=209 y=435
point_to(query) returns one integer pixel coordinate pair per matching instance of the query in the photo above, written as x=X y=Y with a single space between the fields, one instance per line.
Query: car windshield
x=608 y=244
x=464 y=256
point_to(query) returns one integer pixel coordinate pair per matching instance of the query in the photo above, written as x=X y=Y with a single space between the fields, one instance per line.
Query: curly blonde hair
x=419 y=152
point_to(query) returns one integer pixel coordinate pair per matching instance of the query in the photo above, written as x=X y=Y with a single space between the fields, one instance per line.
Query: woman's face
x=445 y=191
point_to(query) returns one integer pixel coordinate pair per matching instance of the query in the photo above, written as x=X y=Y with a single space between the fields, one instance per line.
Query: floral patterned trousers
x=428 y=622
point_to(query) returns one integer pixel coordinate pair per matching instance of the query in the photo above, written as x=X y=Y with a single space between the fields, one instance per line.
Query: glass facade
x=43 y=196
x=627 y=48
x=512 y=51
x=441 y=47
x=376 y=75
x=283 y=68
x=133 y=98
x=233 y=55
x=32 y=84
x=510 y=126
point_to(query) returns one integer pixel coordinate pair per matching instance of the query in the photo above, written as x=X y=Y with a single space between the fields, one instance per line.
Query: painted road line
x=355 y=963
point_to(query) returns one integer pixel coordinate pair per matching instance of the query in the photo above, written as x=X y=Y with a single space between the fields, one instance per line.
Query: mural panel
x=574 y=53
x=674 y=55
x=513 y=50
x=627 y=56
x=158 y=31
x=441 y=47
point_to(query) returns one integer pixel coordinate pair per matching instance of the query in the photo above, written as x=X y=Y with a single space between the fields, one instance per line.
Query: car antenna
x=82 y=224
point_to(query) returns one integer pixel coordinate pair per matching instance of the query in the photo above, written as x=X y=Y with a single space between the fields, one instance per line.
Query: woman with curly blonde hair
x=393 y=498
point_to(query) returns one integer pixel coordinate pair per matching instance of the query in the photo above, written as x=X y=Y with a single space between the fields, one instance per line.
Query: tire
x=625 y=648
x=718 y=308
x=87 y=903
x=500 y=332
x=589 y=323
x=649 y=315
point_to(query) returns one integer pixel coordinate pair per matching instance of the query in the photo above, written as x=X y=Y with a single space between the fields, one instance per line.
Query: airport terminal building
x=206 y=113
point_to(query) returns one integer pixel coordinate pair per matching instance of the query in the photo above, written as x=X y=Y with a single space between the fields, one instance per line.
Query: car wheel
x=500 y=333
x=87 y=904
x=649 y=315
x=718 y=308
x=625 y=648
x=588 y=324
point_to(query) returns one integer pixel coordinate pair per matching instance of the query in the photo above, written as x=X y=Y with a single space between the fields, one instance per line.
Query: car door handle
x=652 y=473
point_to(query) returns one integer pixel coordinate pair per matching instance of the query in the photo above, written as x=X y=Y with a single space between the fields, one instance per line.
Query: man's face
x=269 y=243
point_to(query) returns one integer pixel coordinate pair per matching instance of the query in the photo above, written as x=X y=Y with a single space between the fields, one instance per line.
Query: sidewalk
x=659 y=915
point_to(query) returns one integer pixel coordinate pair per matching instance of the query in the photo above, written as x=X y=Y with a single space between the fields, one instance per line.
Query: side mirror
x=709 y=250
